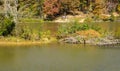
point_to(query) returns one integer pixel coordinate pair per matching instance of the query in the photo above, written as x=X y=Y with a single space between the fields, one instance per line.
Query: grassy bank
x=6 y=41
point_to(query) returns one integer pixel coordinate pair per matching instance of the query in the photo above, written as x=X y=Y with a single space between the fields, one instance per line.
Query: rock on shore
x=92 y=41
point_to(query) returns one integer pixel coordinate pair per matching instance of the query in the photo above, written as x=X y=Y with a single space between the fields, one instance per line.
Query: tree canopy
x=54 y=8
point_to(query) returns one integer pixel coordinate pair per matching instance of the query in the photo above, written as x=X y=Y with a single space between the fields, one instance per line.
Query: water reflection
x=59 y=57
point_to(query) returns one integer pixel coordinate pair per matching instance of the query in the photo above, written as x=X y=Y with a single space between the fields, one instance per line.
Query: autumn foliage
x=89 y=33
x=51 y=7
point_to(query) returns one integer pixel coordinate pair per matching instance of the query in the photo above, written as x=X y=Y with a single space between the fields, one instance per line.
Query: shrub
x=29 y=29
x=98 y=9
x=6 y=26
x=95 y=27
x=89 y=33
x=85 y=27
x=118 y=8
x=26 y=33
x=45 y=34
x=70 y=28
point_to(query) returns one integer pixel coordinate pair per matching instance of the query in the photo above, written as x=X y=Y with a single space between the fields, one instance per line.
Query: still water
x=59 y=57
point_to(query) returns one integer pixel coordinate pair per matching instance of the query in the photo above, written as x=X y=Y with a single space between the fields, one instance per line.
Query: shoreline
x=26 y=42
x=33 y=43
x=19 y=43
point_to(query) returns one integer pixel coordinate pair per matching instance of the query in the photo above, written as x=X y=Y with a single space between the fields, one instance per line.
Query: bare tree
x=10 y=9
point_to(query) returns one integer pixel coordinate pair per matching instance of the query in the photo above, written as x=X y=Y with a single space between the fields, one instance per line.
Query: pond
x=59 y=57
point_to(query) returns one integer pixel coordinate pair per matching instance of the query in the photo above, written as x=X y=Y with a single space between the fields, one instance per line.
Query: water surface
x=59 y=57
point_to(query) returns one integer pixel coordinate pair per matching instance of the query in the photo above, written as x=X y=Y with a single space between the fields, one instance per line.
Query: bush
x=95 y=27
x=6 y=26
x=45 y=34
x=26 y=33
x=98 y=9
x=70 y=28
x=89 y=33
x=31 y=31
x=118 y=8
